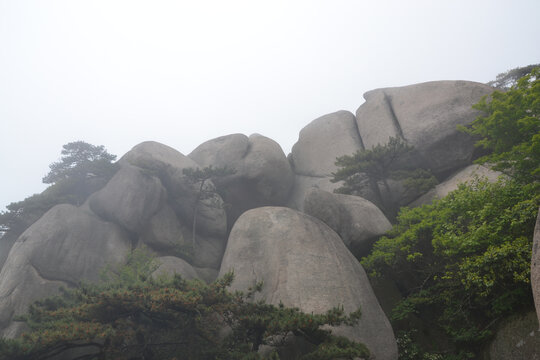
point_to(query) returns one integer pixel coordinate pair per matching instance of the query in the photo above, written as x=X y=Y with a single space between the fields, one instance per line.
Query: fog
x=117 y=73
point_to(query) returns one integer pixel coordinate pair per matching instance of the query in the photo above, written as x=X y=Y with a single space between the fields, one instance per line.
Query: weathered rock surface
x=535 y=266
x=322 y=141
x=168 y=164
x=66 y=245
x=464 y=175
x=517 y=338
x=130 y=198
x=426 y=116
x=162 y=159
x=356 y=220
x=262 y=177
x=164 y=232
x=170 y=265
x=302 y=184
x=304 y=263
x=211 y=219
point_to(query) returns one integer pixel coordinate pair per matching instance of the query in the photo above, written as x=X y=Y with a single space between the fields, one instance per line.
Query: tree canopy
x=510 y=78
x=462 y=263
x=136 y=316
x=465 y=257
x=367 y=168
x=84 y=169
x=80 y=159
x=509 y=127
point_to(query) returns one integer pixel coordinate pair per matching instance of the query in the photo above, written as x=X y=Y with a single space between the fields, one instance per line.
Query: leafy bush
x=509 y=127
x=135 y=316
x=466 y=256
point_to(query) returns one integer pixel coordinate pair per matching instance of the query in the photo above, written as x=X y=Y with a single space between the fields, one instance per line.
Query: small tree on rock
x=383 y=162
x=201 y=178
x=80 y=160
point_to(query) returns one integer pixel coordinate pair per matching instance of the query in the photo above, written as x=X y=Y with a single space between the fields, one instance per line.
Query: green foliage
x=135 y=316
x=408 y=349
x=510 y=129
x=466 y=257
x=200 y=177
x=510 y=78
x=80 y=160
x=83 y=170
x=367 y=168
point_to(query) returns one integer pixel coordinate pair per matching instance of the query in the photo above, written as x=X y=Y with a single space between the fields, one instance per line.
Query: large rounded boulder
x=303 y=263
x=322 y=141
x=465 y=175
x=130 y=198
x=314 y=155
x=67 y=245
x=426 y=116
x=262 y=174
x=196 y=208
x=357 y=221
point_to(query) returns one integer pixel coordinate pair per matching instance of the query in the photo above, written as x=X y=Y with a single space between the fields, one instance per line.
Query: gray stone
x=356 y=220
x=302 y=184
x=5 y=247
x=65 y=246
x=517 y=338
x=322 y=141
x=263 y=175
x=426 y=116
x=130 y=198
x=207 y=274
x=304 y=263
x=462 y=176
x=211 y=224
x=208 y=251
x=535 y=266
x=164 y=232
x=162 y=159
x=170 y=265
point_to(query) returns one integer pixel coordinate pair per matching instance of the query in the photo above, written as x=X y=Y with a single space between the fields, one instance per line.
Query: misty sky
x=117 y=73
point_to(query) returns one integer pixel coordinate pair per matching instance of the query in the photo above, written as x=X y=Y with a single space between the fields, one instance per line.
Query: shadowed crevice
x=358 y=132
x=395 y=120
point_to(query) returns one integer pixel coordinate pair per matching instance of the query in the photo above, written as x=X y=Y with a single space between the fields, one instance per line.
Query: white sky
x=117 y=73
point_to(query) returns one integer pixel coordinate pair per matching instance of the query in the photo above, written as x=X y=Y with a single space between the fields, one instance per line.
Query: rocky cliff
x=274 y=219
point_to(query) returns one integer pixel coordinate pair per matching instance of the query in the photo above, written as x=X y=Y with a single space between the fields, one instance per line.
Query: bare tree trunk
x=195 y=210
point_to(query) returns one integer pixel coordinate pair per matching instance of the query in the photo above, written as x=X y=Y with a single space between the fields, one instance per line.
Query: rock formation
x=303 y=260
x=67 y=245
x=357 y=221
x=262 y=177
x=426 y=116
x=303 y=263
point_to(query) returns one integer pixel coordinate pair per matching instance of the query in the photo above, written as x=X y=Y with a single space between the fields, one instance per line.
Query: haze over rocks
x=253 y=220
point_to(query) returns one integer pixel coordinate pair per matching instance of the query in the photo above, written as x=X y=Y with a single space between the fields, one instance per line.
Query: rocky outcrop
x=314 y=155
x=357 y=221
x=322 y=141
x=162 y=231
x=130 y=198
x=426 y=116
x=169 y=265
x=535 y=266
x=464 y=175
x=168 y=165
x=66 y=245
x=517 y=338
x=302 y=184
x=302 y=260
x=262 y=174
x=304 y=263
